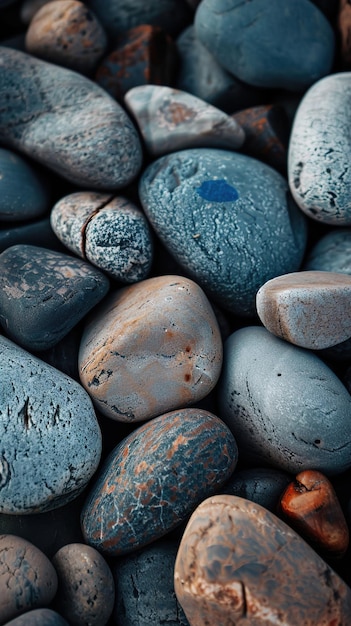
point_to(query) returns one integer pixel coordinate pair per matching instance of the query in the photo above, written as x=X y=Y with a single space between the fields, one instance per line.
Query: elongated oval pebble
x=239 y=564
x=155 y=477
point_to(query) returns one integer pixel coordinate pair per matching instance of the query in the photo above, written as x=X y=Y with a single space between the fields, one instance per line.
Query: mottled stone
x=309 y=309
x=310 y=505
x=39 y=617
x=155 y=477
x=86 y=590
x=65 y=121
x=319 y=151
x=27 y=578
x=150 y=348
x=239 y=564
x=111 y=232
x=263 y=485
x=227 y=219
x=170 y=120
x=298 y=51
x=50 y=437
x=332 y=253
x=67 y=33
x=44 y=294
x=296 y=416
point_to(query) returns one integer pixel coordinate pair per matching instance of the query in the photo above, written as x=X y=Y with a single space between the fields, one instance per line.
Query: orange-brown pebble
x=344 y=28
x=310 y=505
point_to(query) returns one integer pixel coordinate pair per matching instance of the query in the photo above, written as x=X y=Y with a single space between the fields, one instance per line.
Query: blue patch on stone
x=217 y=191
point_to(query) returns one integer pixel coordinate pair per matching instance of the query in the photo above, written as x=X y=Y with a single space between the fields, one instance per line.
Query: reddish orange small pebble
x=310 y=504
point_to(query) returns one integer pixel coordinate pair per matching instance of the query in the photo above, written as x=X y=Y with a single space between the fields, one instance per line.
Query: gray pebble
x=263 y=485
x=332 y=253
x=39 y=617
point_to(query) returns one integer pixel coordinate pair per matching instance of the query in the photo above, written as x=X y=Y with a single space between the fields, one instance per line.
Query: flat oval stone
x=296 y=416
x=309 y=309
x=227 y=219
x=50 y=437
x=39 y=617
x=66 y=122
x=319 y=151
x=27 y=578
x=44 y=294
x=238 y=563
x=171 y=119
x=155 y=477
x=332 y=253
x=152 y=347
x=298 y=52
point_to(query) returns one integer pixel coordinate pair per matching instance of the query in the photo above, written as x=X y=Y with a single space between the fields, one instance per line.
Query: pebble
x=74 y=127
x=331 y=253
x=227 y=219
x=86 y=590
x=298 y=51
x=319 y=151
x=36 y=233
x=150 y=348
x=263 y=485
x=44 y=294
x=39 y=617
x=310 y=309
x=310 y=505
x=238 y=563
x=296 y=416
x=65 y=32
x=50 y=437
x=109 y=231
x=155 y=478
x=27 y=578
x=344 y=32
x=29 y=8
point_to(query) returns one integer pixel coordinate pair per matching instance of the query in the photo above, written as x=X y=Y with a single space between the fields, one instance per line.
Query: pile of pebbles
x=175 y=297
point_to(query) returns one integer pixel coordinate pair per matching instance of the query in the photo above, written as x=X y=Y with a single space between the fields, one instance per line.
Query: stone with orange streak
x=128 y=509
x=150 y=348
x=238 y=564
x=310 y=505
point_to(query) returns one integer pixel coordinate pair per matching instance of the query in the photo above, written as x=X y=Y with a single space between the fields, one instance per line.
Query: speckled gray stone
x=109 y=231
x=319 y=151
x=65 y=121
x=332 y=253
x=39 y=617
x=50 y=437
x=228 y=219
x=284 y=405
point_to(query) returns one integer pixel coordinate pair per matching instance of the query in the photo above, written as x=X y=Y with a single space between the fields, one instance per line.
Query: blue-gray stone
x=38 y=617
x=227 y=219
x=332 y=253
x=263 y=485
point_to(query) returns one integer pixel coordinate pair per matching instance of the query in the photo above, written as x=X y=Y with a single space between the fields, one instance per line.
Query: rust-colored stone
x=344 y=28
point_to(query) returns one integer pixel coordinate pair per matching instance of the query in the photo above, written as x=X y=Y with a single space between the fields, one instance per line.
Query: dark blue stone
x=217 y=191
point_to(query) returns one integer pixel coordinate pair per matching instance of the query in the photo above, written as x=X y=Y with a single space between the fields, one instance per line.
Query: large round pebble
x=27 y=578
x=50 y=437
x=150 y=348
x=228 y=220
x=39 y=617
x=155 y=477
x=296 y=416
x=239 y=564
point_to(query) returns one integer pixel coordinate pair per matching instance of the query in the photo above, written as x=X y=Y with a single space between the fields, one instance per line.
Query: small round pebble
x=39 y=617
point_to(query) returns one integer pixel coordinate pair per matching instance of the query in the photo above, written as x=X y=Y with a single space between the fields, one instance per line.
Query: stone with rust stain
x=171 y=119
x=310 y=309
x=310 y=505
x=239 y=564
x=155 y=478
x=150 y=348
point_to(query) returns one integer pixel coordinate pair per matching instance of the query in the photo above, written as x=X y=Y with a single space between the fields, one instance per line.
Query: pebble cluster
x=175 y=326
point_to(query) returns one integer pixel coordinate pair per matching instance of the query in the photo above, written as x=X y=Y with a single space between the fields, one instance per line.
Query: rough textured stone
x=155 y=477
x=263 y=485
x=239 y=564
x=50 y=437
x=39 y=617
x=332 y=253
x=65 y=121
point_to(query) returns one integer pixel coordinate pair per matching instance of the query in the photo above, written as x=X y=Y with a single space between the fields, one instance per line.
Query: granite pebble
x=38 y=617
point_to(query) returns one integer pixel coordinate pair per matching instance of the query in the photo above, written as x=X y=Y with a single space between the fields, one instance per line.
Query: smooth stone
x=50 y=437
x=150 y=348
x=65 y=32
x=170 y=120
x=66 y=122
x=238 y=563
x=332 y=253
x=29 y=8
x=309 y=309
x=263 y=485
x=27 y=578
x=35 y=233
x=296 y=416
x=111 y=232
x=86 y=589
x=344 y=32
x=24 y=192
x=145 y=587
x=310 y=505
x=227 y=219
x=44 y=294
x=298 y=51
x=155 y=478
x=39 y=617
x=319 y=151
